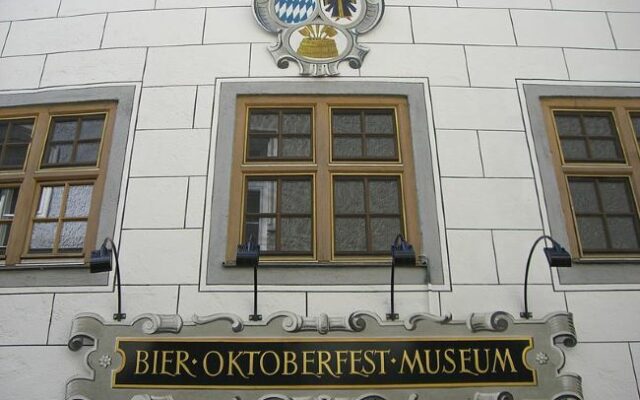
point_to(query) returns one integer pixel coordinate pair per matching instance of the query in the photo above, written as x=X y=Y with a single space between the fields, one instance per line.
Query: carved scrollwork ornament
x=493 y=396
x=497 y=321
x=318 y=35
x=159 y=323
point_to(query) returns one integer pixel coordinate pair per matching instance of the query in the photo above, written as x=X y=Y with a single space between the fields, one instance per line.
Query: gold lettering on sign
x=503 y=361
x=205 y=363
x=290 y=361
x=140 y=360
x=428 y=363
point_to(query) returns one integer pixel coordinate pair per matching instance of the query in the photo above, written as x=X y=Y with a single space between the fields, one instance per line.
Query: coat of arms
x=318 y=34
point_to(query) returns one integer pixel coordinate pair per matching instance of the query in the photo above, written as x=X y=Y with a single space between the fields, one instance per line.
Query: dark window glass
x=73 y=141
x=606 y=215
x=588 y=137
x=15 y=137
x=367 y=214
x=279 y=214
x=280 y=134
x=635 y=121
x=364 y=134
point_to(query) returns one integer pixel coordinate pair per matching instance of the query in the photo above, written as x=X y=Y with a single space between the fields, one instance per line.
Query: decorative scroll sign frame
x=99 y=340
x=318 y=35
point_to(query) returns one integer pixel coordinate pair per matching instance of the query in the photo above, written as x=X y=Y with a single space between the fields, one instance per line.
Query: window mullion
x=61 y=214
x=324 y=215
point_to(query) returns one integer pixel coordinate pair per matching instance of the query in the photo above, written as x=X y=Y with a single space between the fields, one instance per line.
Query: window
x=322 y=178
x=596 y=152
x=52 y=171
x=223 y=229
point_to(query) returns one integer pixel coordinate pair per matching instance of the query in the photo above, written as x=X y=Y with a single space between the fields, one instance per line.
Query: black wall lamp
x=248 y=255
x=403 y=255
x=557 y=256
x=101 y=262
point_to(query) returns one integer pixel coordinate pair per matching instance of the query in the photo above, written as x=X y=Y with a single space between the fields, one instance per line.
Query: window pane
x=574 y=149
x=383 y=233
x=383 y=197
x=603 y=149
x=624 y=233
x=8 y=199
x=87 y=153
x=349 y=196
x=72 y=236
x=584 y=196
x=279 y=133
x=345 y=122
x=15 y=137
x=42 y=236
x=21 y=132
x=616 y=196
x=263 y=147
x=5 y=228
x=68 y=146
x=261 y=196
x=14 y=155
x=296 y=123
x=381 y=148
x=598 y=125
x=295 y=234
x=568 y=125
x=635 y=120
x=79 y=201
x=592 y=234
x=347 y=148
x=263 y=122
x=296 y=147
x=92 y=128
x=64 y=130
x=588 y=136
x=262 y=231
x=296 y=197
x=59 y=154
x=50 y=202
x=605 y=213
x=350 y=235
x=379 y=123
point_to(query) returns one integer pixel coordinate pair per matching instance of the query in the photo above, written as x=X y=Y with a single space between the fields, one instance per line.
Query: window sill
x=50 y=273
x=599 y=261
x=318 y=274
x=45 y=264
x=333 y=264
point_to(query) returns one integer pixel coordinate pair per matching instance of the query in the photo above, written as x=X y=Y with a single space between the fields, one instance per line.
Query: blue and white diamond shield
x=294 y=11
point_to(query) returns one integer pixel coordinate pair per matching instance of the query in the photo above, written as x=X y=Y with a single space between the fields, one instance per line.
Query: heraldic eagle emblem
x=318 y=34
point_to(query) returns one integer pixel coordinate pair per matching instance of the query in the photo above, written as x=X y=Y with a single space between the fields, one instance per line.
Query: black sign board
x=223 y=363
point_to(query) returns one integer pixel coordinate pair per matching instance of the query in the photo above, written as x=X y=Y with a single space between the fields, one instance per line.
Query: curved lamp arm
x=556 y=257
x=101 y=262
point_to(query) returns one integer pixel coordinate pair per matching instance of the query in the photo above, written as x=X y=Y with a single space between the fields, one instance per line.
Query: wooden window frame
x=323 y=169
x=35 y=174
x=621 y=110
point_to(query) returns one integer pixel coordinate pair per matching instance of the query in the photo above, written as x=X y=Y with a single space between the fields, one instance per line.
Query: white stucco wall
x=471 y=51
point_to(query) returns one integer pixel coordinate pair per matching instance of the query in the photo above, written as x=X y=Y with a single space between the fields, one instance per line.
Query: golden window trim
x=621 y=110
x=322 y=168
x=33 y=176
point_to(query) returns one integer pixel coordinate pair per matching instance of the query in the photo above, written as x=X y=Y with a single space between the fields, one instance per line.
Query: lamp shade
x=100 y=260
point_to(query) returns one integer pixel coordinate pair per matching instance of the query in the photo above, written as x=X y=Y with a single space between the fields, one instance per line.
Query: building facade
x=471 y=127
